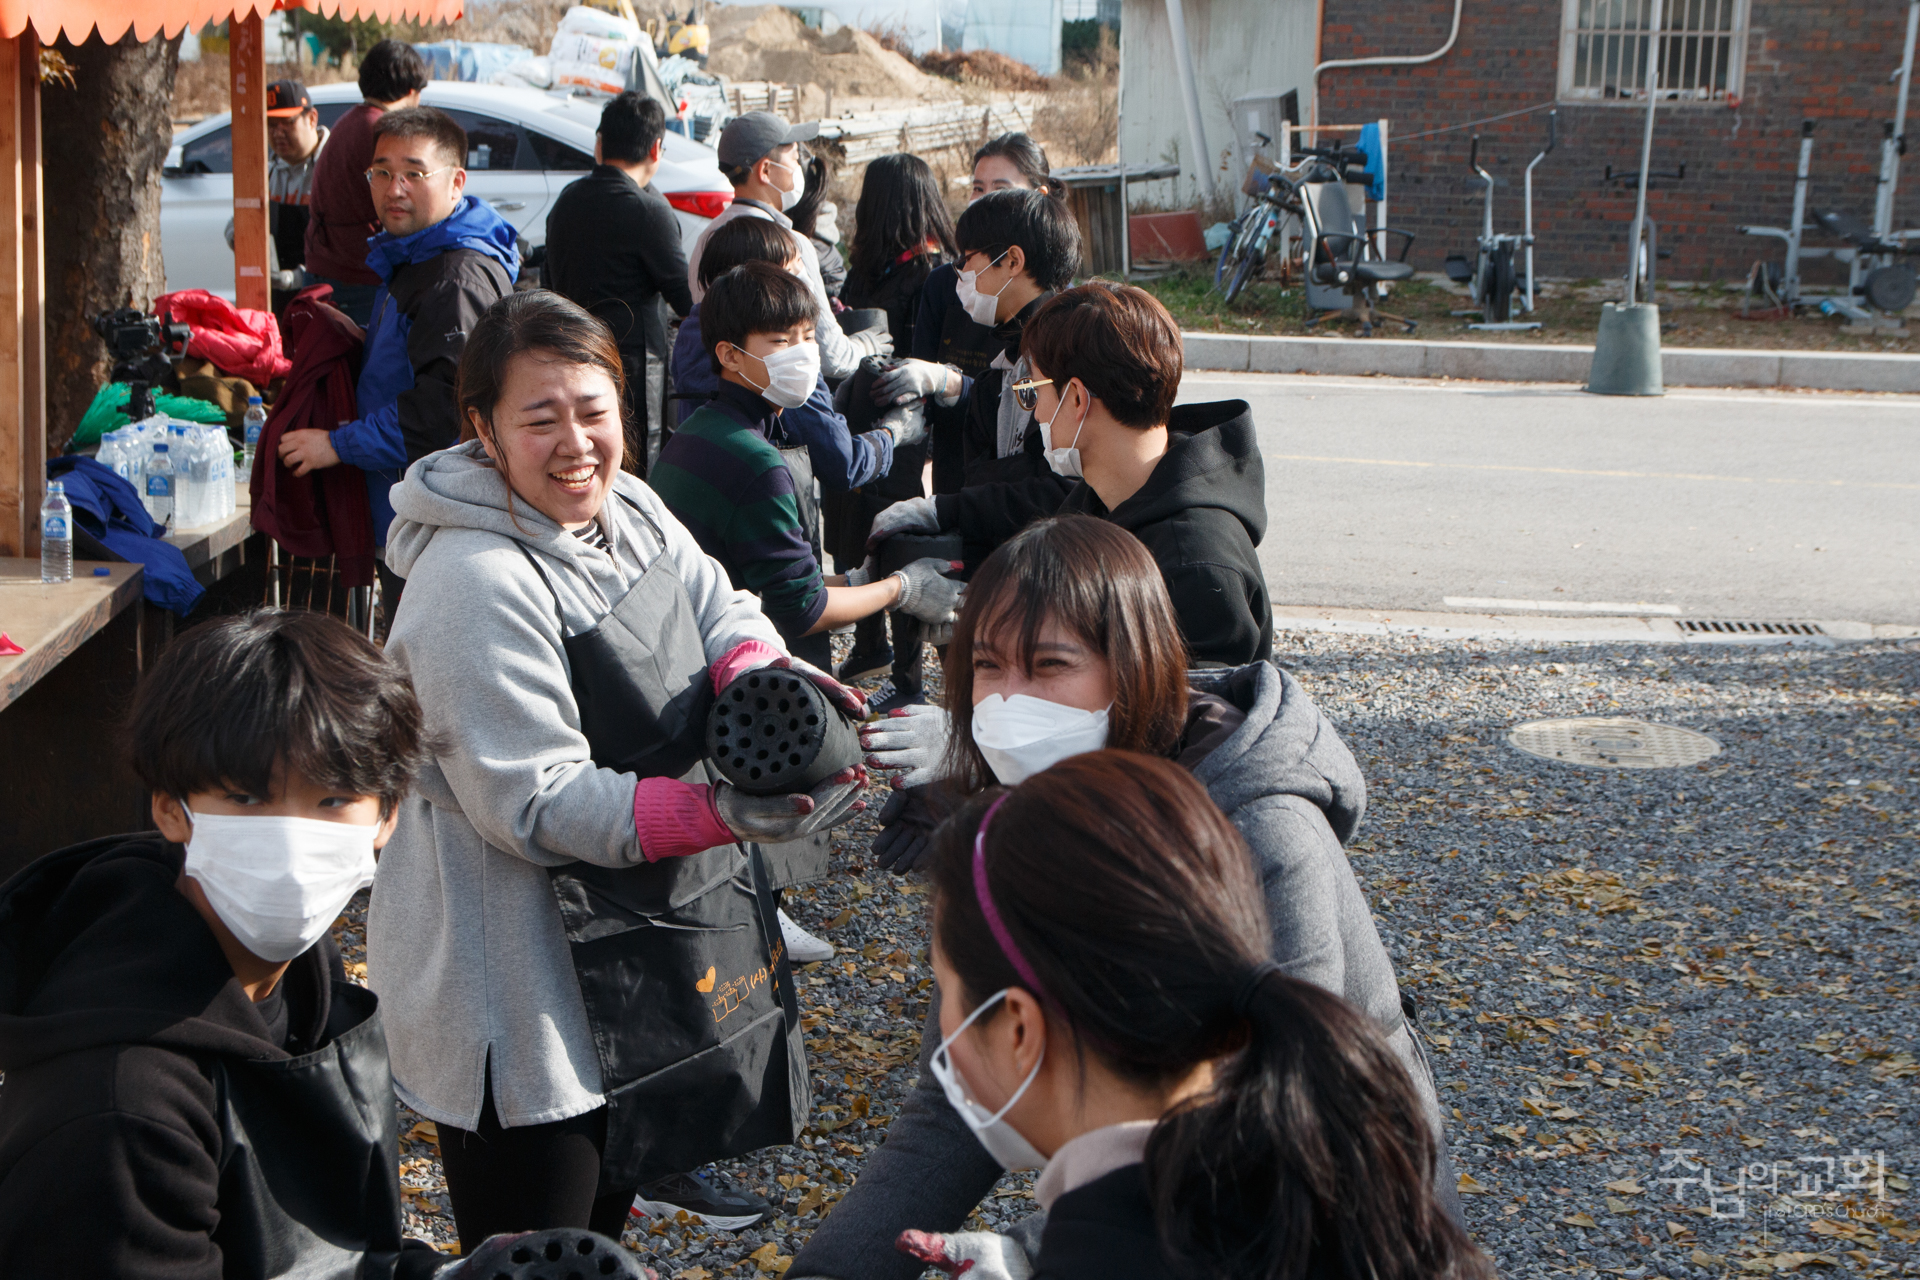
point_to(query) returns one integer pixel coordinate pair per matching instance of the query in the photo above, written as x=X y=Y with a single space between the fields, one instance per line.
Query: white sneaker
x=802 y=947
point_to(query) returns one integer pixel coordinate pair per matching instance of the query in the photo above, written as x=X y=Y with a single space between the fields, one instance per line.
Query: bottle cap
x=102 y=572
x=55 y=486
x=160 y=448
x=253 y=399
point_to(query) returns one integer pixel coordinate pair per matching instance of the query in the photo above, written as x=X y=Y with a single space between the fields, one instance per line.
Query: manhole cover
x=1610 y=743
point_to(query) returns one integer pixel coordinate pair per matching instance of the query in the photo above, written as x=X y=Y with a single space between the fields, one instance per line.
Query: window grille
x=1604 y=50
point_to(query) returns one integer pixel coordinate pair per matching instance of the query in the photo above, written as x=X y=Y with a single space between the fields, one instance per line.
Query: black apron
x=687 y=987
x=799 y=861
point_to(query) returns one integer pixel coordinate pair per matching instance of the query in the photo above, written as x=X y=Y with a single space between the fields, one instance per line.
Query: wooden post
x=247 y=76
x=23 y=417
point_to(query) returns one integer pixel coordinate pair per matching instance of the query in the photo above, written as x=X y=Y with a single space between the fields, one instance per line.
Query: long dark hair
x=1133 y=902
x=1103 y=588
x=813 y=193
x=535 y=320
x=900 y=212
x=1025 y=155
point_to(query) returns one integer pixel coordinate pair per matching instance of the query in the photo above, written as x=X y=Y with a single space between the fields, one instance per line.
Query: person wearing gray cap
x=760 y=154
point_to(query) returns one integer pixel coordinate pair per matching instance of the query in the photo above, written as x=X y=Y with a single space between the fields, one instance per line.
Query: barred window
x=1605 y=55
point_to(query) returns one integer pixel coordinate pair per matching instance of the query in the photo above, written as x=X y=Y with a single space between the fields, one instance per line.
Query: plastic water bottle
x=56 y=535
x=256 y=422
x=206 y=503
x=221 y=448
x=160 y=486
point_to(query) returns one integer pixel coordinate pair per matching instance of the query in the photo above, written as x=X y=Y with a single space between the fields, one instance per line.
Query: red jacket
x=325 y=513
x=341 y=207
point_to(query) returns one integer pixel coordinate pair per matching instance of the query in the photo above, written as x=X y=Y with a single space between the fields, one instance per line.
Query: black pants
x=530 y=1177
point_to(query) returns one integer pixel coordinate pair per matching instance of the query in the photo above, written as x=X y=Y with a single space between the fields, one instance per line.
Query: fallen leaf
x=814 y=1198
x=424 y=1131
x=1579 y=1220
x=1748 y=1140
x=1701 y=1258
x=1616 y=1205
x=1677 y=1229
x=694 y=1273
x=1795 y=1261
x=1626 y=1187
x=763 y=1256
x=846 y=914
x=1470 y=1186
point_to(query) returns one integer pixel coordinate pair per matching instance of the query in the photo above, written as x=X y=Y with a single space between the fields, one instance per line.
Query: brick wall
x=1804 y=61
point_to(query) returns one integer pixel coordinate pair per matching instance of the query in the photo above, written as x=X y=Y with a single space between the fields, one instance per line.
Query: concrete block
x=1222 y=351
x=1719 y=367
x=1850 y=371
x=1509 y=362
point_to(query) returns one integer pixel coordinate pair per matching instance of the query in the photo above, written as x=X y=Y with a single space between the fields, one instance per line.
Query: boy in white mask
x=723 y=475
x=191 y=1081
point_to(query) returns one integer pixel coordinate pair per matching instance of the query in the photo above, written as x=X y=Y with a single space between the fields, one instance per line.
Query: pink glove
x=742 y=658
x=675 y=819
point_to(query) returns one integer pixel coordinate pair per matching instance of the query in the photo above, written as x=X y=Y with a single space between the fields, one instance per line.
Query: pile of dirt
x=986 y=67
x=767 y=42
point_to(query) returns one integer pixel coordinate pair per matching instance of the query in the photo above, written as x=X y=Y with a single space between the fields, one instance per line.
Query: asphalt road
x=1444 y=496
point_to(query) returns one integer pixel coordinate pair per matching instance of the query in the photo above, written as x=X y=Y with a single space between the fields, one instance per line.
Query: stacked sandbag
x=596 y=51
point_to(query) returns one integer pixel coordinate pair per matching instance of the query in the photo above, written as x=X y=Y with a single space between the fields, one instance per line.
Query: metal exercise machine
x=1493 y=276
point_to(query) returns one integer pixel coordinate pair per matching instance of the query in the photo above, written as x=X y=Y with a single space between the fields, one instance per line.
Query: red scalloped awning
x=77 y=19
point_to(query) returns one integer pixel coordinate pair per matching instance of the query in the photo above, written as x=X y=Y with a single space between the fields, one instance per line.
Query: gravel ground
x=1638 y=983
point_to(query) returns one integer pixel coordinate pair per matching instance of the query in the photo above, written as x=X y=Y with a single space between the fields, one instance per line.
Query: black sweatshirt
x=1201 y=513
x=150 y=1124
x=614 y=248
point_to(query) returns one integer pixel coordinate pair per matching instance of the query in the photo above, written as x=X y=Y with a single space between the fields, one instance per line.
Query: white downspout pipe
x=1190 y=95
x=1655 y=49
x=1896 y=139
x=1313 y=114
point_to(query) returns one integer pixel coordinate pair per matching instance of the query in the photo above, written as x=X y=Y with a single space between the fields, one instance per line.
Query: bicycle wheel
x=1232 y=251
x=1248 y=264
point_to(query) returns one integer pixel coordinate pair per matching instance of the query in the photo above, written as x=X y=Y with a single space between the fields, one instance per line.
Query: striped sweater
x=723 y=478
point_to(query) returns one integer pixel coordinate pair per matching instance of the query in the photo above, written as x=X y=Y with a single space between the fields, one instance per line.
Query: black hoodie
x=1201 y=513
x=150 y=1126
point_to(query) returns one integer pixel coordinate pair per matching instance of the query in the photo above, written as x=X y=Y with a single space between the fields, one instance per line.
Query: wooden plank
x=52 y=622
x=33 y=286
x=19 y=488
x=247 y=79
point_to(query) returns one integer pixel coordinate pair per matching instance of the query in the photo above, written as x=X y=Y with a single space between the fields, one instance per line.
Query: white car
x=523 y=146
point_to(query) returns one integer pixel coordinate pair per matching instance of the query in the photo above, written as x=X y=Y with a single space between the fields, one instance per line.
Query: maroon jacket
x=341 y=207
x=325 y=513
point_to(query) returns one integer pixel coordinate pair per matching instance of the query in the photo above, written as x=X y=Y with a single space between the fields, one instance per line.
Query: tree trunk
x=104 y=142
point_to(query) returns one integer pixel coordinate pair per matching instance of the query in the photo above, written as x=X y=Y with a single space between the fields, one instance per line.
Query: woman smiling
x=576 y=946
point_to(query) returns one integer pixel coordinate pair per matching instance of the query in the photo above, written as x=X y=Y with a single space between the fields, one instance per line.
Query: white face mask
x=1021 y=736
x=1065 y=462
x=981 y=307
x=1002 y=1141
x=791 y=197
x=792 y=374
x=279 y=883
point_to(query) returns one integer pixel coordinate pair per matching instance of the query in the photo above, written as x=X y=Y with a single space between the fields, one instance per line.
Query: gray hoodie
x=464 y=941
x=1296 y=793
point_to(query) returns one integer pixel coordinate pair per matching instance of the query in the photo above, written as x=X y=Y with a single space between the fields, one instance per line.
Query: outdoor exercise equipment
x=1880 y=273
x=1493 y=276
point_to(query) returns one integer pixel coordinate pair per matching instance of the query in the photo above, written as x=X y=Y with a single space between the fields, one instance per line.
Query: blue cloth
x=841 y=460
x=373 y=441
x=107 y=508
x=1376 y=161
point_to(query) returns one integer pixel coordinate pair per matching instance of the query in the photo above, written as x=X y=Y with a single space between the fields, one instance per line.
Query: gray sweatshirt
x=464 y=941
x=1295 y=792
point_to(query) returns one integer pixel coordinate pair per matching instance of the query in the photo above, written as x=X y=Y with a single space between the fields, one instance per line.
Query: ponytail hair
x=1113 y=883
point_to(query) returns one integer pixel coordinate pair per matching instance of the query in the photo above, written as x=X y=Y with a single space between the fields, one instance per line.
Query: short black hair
x=235 y=701
x=741 y=240
x=391 y=70
x=755 y=297
x=1040 y=224
x=629 y=126
x=430 y=123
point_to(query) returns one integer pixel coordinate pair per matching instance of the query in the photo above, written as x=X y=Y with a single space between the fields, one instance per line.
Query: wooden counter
x=215 y=550
x=62 y=703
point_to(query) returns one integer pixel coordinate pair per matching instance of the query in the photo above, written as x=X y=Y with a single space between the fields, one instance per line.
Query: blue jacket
x=841 y=460
x=107 y=508
x=435 y=284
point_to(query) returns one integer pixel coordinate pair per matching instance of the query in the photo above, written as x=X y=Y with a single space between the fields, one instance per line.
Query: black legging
x=530 y=1177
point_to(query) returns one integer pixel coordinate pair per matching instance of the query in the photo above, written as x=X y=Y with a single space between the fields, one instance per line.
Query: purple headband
x=987 y=909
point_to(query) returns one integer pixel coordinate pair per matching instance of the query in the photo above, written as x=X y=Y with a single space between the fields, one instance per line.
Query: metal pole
x=1190 y=95
x=1790 y=286
x=1890 y=148
x=1120 y=154
x=1646 y=155
x=1380 y=209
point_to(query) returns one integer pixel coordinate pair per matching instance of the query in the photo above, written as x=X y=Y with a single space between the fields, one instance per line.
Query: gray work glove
x=927 y=593
x=872 y=342
x=911 y=740
x=778 y=819
x=910 y=380
x=909 y=515
x=908 y=422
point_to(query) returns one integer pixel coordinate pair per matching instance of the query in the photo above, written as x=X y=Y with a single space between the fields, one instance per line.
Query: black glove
x=907 y=821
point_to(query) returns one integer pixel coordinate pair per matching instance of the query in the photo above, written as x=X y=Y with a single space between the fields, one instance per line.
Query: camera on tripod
x=143 y=348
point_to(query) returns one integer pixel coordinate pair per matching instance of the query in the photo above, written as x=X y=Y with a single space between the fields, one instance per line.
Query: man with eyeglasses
x=341 y=215
x=443 y=257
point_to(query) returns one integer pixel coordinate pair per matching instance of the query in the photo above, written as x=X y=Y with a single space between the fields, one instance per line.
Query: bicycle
x=1245 y=252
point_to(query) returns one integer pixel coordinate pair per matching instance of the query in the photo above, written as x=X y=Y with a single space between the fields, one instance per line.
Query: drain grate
x=1607 y=742
x=1731 y=627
